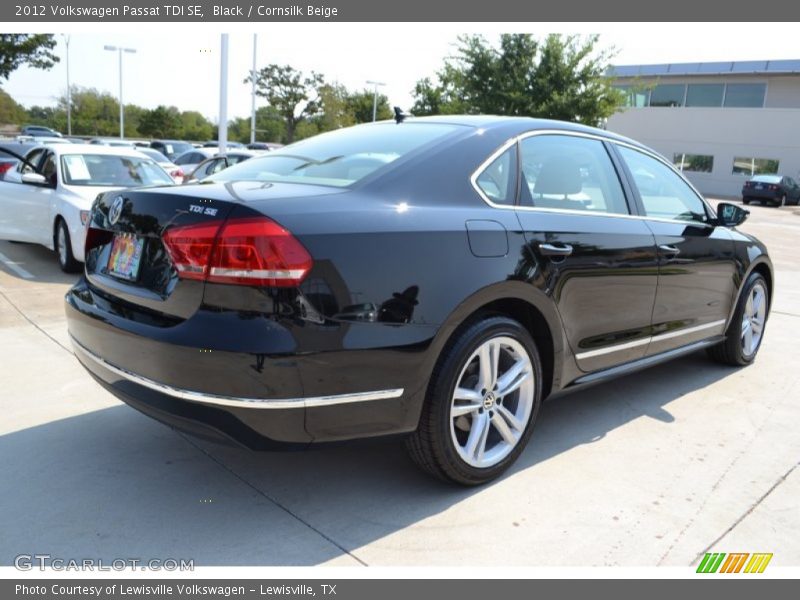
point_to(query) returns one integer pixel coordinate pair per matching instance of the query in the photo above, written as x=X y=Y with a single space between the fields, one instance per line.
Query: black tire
x=781 y=201
x=730 y=351
x=65 y=259
x=745 y=200
x=431 y=446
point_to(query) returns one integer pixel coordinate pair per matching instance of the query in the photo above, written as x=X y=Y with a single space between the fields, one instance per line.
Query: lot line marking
x=15 y=267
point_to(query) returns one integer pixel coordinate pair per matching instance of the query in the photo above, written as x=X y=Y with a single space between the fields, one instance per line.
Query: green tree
x=161 y=122
x=10 y=111
x=270 y=127
x=561 y=77
x=194 y=126
x=359 y=105
x=292 y=93
x=32 y=49
x=334 y=108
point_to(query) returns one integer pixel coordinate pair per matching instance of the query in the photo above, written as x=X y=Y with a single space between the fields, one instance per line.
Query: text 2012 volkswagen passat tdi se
x=436 y=277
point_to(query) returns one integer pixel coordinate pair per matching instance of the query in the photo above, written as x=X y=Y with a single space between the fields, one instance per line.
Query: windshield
x=338 y=158
x=111 y=170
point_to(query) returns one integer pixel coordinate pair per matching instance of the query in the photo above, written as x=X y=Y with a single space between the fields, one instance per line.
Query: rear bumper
x=260 y=401
x=765 y=195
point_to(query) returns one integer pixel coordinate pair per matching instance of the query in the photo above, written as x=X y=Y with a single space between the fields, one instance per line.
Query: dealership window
x=745 y=95
x=696 y=163
x=634 y=97
x=705 y=94
x=668 y=94
x=755 y=166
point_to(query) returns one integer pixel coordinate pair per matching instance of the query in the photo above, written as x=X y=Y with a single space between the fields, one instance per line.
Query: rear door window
x=569 y=172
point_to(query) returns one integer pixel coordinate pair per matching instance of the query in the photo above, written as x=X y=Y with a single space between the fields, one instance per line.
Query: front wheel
x=746 y=330
x=482 y=401
x=63 y=245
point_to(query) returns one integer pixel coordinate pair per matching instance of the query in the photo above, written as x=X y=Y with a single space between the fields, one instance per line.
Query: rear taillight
x=245 y=251
x=773 y=187
x=176 y=173
x=5 y=167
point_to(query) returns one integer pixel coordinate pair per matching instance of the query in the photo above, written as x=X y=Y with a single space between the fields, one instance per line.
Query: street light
x=120 y=50
x=69 y=91
x=253 y=93
x=375 y=98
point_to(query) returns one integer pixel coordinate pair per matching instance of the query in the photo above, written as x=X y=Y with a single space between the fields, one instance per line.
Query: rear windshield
x=338 y=158
x=111 y=170
x=767 y=178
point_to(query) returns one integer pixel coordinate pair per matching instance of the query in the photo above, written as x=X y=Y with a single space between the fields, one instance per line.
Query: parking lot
x=652 y=469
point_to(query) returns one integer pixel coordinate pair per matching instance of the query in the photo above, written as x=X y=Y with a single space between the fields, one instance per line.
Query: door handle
x=555 y=250
x=669 y=250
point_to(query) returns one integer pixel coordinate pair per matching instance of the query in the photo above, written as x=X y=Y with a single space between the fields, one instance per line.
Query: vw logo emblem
x=116 y=210
x=488 y=400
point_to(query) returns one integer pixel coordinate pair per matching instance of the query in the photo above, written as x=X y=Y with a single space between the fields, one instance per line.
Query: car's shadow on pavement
x=113 y=484
x=35 y=260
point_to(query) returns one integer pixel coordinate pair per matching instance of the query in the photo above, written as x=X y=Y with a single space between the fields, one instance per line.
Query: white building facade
x=720 y=123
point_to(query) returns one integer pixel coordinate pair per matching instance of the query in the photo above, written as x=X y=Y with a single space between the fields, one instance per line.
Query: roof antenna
x=399 y=115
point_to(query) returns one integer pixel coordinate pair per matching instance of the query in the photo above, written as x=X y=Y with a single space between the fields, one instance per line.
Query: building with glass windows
x=720 y=122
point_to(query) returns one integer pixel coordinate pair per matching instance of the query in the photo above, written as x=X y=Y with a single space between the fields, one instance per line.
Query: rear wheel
x=782 y=201
x=482 y=401
x=63 y=246
x=746 y=330
x=745 y=200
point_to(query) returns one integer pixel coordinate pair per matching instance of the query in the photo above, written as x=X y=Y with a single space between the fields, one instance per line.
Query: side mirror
x=34 y=178
x=730 y=215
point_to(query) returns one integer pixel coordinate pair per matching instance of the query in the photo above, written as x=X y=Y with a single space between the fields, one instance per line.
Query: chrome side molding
x=656 y=338
x=218 y=400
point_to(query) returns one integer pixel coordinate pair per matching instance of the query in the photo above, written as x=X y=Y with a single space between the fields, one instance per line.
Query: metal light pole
x=375 y=98
x=253 y=93
x=222 y=136
x=120 y=50
x=69 y=90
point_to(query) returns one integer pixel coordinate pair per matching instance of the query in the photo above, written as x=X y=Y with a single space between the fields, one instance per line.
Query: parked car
x=264 y=146
x=112 y=142
x=189 y=160
x=229 y=144
x=39 y=131
x=435 y=278
x=217 y=163
x=46 y=198
x=171 y=148
x=9 y=150
x=778 y=190
x=170 y=167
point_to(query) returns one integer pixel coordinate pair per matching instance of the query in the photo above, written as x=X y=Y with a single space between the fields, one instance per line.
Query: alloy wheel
x=492 y=402
x=753 y=318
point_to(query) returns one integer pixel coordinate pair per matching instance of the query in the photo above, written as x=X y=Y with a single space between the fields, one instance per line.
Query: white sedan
x=46 y=199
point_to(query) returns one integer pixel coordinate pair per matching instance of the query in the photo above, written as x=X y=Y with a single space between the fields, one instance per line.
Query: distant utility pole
x=69 y=89
x=120 y=50
x=222 y=136
x=375 y=98
x=253 y=93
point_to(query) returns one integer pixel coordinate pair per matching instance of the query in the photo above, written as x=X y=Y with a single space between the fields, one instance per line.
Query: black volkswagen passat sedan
x=436 y=277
